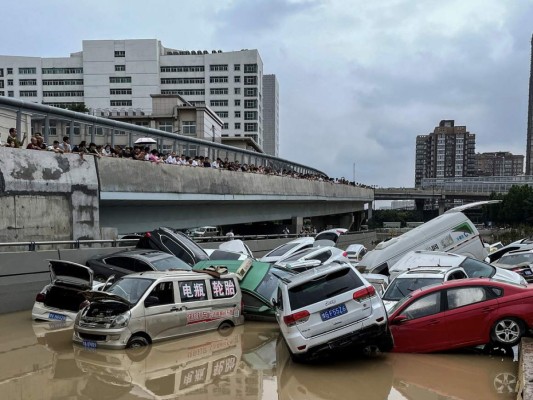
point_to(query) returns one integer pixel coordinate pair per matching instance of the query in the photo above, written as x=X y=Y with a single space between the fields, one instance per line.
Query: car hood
x=70 y=272
x=97 y=295
x=507 y=276
x=236 y=246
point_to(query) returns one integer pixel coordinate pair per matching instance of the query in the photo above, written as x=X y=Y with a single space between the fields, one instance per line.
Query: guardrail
x=113 y=129
x=479 y=184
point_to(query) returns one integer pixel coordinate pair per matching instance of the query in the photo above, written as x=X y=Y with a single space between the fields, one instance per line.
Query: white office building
x=120 y=75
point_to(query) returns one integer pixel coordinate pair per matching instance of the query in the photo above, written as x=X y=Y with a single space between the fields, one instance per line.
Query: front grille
x=90 y=336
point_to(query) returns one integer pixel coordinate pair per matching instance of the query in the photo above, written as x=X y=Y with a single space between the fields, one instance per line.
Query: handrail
x=19 y=106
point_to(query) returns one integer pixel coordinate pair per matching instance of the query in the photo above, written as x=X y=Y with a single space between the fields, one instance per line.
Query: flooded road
x=39 y=361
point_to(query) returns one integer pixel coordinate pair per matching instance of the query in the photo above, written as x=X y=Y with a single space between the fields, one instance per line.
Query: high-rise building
x=500 y=163
x=447 y=152
x=120 y=75
x=529 y=145
x=270 y=115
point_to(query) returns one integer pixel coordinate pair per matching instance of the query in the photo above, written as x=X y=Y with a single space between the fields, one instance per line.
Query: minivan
x=450 y=232
x=147 y=307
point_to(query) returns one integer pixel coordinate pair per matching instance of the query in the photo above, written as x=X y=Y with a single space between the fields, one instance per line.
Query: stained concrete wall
x=47 y=196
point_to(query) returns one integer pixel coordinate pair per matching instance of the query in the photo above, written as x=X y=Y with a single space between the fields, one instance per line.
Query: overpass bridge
x=50 y=196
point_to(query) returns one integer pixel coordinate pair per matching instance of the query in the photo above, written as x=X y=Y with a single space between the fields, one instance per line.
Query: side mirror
x=274 y=302
x=151 y=301
x=399 y=319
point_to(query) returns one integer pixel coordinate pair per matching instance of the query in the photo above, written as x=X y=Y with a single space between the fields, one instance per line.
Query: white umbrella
x=145 y=140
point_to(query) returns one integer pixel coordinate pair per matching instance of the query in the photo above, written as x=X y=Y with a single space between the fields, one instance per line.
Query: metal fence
x=481 y=184
x=120 y=132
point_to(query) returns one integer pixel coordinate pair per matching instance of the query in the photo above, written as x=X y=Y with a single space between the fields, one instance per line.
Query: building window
x=181 y=81
x=218 y=79
x=219 y=67
x=185 y=92
x=250 y=115
x=237 y=125
x=166 y=126
x=222 y=114
x=28 y=82
x=28 y=93
x=237 y=114
x=120 y=79
x=237 y=90
x=53 y=128
x=250 y=127
x=1 y=84
x=189 y=128
x=120 y=68
x=63 y=104
x=193 y=68
x=250 y=68
x=120 y=53
x=236 y=67
x=225 y=126
x=10 y=71
x=10 y=93
x=62 y=82
x=62 y=71
x=250 y=80
x=237 y=79
x=64 y=93
x=120 y=103
x=218 y=103
x=237 y=102
x=27 y=71
x=250 y=103
x=120 y=91
x=250 y=92
x=1 y=72
x=219 y=91
x=2 y=93
x=10 y=82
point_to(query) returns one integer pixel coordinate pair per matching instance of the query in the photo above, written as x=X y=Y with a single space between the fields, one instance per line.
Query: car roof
x=462 y=282
x=251 y=280
x=145 y=254
x=316 y=272
x=176 y=273
x=521 y=251
x=355 y=247
x=428 y=271
x=427 y=258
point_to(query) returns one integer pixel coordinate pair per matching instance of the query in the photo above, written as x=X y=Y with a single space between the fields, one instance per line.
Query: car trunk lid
x=75 y=275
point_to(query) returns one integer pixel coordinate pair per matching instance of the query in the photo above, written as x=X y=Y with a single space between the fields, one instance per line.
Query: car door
x=422 y=330
x=196 y=305
x=468 y=315
x=165 y=317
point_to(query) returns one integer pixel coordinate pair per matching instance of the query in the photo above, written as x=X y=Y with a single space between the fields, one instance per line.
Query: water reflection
x=40 y=362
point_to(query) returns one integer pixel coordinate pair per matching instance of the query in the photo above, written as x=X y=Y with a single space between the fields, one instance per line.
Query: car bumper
x=101 y=338
x=41 y=312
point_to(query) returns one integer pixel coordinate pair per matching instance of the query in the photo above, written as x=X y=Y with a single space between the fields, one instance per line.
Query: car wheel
x=507 y=331
x=505 y=383
x=225 y=328
x=138 y=348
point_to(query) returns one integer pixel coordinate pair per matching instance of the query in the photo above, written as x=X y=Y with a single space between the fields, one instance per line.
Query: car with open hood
x=258 y=282
x=61 y=299
x=177 y=243
x=148 y=307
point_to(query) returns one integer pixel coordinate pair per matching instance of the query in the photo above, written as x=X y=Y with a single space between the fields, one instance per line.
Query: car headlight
x=121 y=320
x=523 y=280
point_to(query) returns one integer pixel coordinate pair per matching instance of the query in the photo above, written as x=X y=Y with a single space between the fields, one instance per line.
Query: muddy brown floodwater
x=38 y=361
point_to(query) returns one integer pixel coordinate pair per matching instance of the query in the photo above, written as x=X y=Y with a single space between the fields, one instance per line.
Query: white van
x=206 y=231
x=450 y=232
x=142 y=308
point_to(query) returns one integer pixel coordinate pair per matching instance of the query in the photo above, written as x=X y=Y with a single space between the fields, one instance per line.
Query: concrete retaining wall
x=525 y=370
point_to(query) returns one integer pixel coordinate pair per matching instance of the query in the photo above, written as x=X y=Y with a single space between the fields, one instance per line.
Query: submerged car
x=461 y=313
x=417 y=278
x=129 y=262
x=258 y=282
x=522 y=244
x=355 y=253
x=287 y=249
x=61 y=299
x=519 y=261
x=147 y=307
x=177 y=243
x=328 y=308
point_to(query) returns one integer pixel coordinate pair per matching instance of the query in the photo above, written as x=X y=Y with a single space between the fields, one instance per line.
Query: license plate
x=89 y=344
x=57 y=317
x=526 y=272
x=333 y=312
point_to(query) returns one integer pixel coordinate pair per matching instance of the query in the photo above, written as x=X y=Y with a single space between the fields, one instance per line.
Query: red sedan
x=461 y=313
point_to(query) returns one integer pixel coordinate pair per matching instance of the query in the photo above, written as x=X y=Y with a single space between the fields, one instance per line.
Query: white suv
x=330 y=307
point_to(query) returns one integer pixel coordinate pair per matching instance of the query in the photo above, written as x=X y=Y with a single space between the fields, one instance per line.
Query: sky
x=358 y=79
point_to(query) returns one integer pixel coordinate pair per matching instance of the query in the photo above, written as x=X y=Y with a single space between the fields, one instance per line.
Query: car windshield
x=477 y=269
x=172 y=262
x=514 y=259
x=401 y=287
x=398 y=304
x=131 y=289
x=299 y=254
x=323 y=287
x=224 y=255
x=270 y=282
x=281 y=250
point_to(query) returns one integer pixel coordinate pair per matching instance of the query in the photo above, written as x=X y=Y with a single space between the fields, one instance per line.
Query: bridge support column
x=442 y=203
x=296 y=224
x=369 y=211
x=419 y=204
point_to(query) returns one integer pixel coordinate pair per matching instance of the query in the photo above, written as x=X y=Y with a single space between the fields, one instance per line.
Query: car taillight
x=364 y=293
x=40 y=297
x=300 y=316
x=345 y=254
x=147 y=234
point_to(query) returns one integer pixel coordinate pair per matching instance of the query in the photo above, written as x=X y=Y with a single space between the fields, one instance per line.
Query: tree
x=78 y=107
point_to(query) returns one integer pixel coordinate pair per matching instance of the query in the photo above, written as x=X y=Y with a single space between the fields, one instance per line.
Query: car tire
x=138 y=348
x=225 y=328
x=386 y=343
x=507 y=331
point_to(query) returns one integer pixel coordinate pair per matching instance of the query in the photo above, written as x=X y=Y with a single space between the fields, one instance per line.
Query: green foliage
x=78 y=108
x=516 y=207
